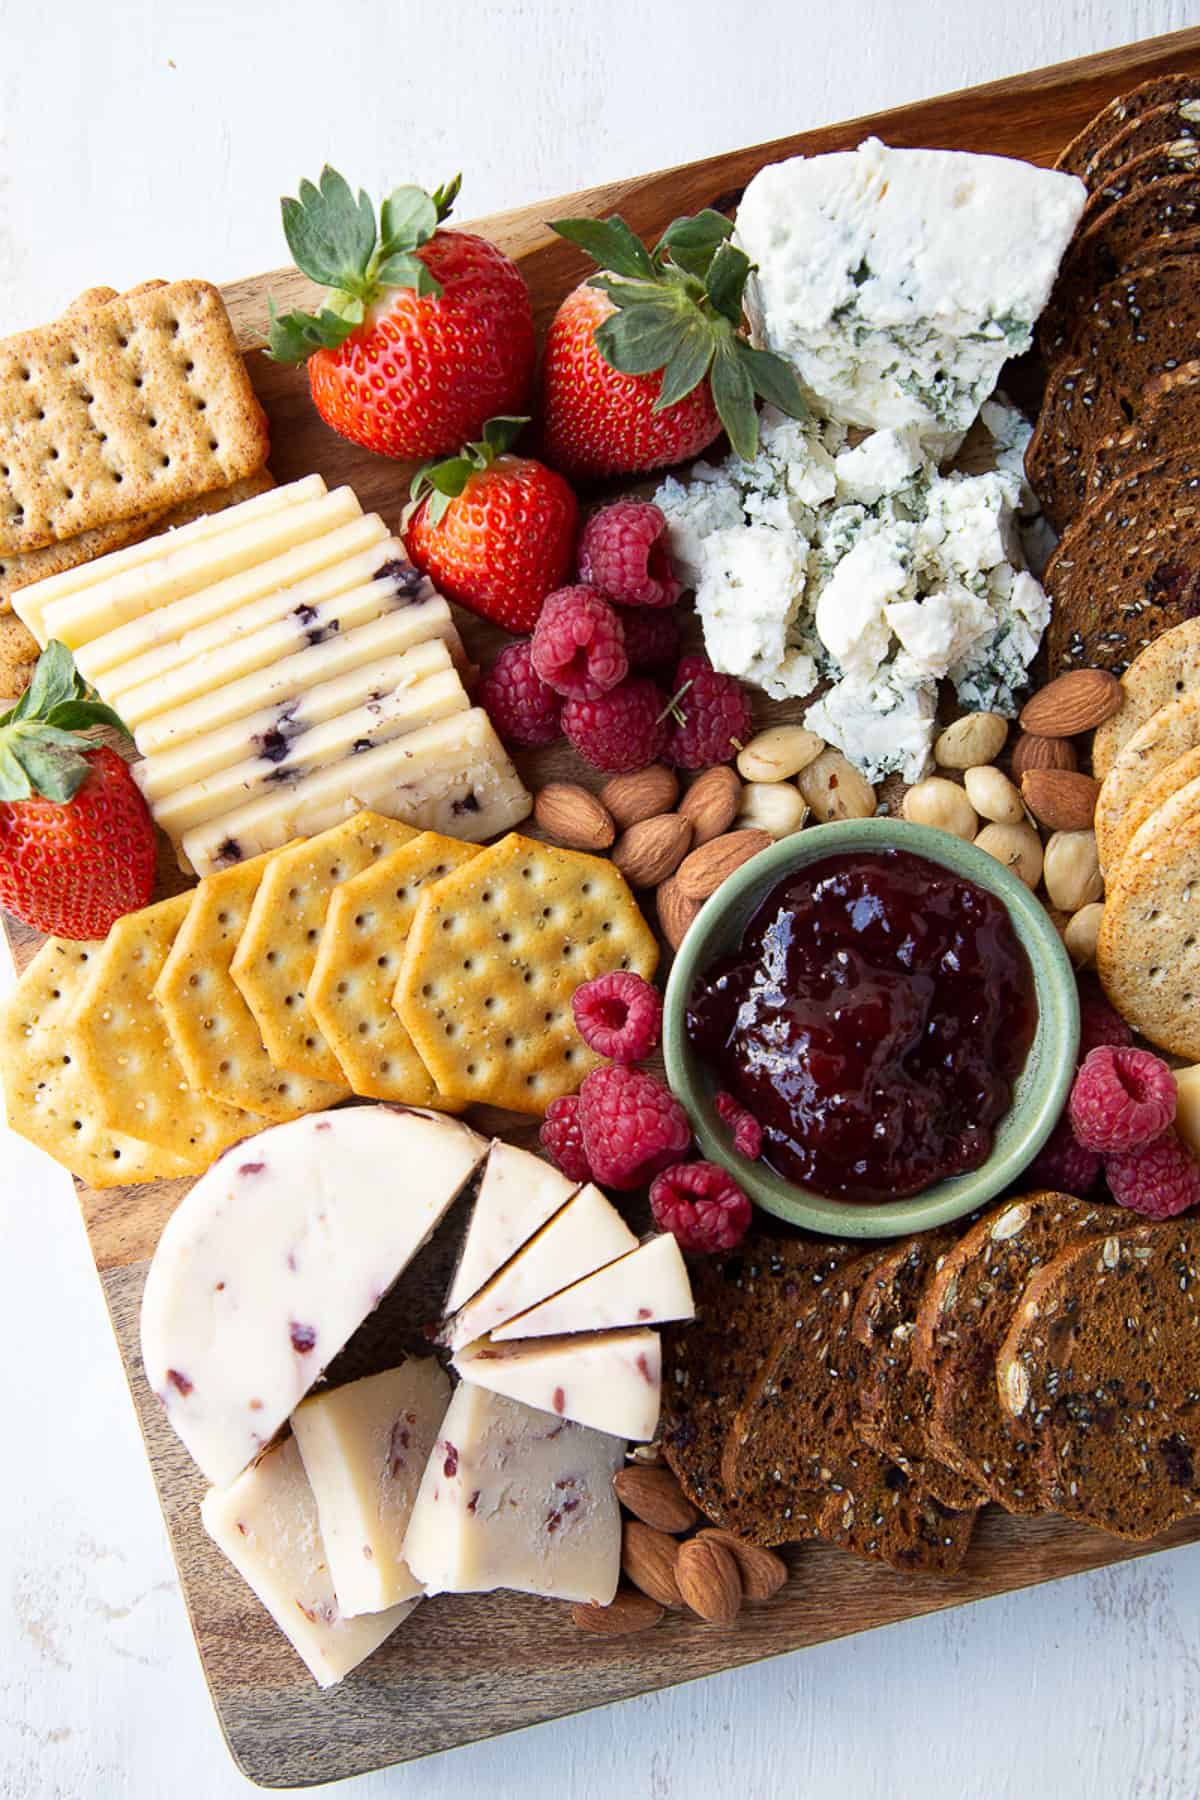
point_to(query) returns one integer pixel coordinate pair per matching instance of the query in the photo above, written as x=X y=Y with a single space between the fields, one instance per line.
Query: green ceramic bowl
x=1041 y=1089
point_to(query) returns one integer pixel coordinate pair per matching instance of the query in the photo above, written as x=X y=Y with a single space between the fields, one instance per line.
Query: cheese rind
x=518 y=1194
x=647 y=1287
x=266 y=1524
x=512 y=1499
x=277 y=1255
x=585 y=1235
x=611 y=1381
x=364 y=1448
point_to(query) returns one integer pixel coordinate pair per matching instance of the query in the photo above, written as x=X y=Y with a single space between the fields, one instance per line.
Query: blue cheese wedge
x=897 y=282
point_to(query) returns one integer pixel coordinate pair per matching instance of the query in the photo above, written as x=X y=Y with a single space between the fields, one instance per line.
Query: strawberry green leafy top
x=41 y=751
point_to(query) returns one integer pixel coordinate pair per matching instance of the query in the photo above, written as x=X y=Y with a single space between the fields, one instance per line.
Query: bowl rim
x=1046 y=1078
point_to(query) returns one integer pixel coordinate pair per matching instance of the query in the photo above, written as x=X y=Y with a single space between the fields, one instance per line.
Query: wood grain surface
x=470 y=1667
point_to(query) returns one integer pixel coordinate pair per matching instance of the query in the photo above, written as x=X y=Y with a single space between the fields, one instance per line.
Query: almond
x=655 y=1497
x=675 y=912
x=629 y=1612
x=762 y=1572
x=648 y=1560
x=712 y=803
x=573 y=816
x=1059 y=799
x=1077 y=701
x=1033 y=752
x=702 y=871
x=708 y=1580
x=652 y=850
x=642 y=794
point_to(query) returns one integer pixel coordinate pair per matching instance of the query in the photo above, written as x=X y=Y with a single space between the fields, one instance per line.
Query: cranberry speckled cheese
x=647 y=1287
x=518 y=1194
x=608 y=1380
x=588 y=1233
x=266 y=1524
x=364 y=1447
x=513 y=1499
x=277 y=1256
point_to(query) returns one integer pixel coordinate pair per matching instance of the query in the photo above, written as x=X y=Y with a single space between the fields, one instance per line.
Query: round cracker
x=1148 y=954
x=1164 y=671
x=1166 y=736
x=1168 y=782
x=1153 y=837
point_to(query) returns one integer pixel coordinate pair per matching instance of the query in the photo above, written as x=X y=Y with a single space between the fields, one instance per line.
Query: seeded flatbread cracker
x=120 y=409
x=46 y=1096
x=1165 y=670
x=1166 y=736
x=1148 y=952
x=211 y=1027
x=126 y=1053
x=274 y=960
x=362 y=947
x=1151 y=799
x=18 y=656
x=494 y=954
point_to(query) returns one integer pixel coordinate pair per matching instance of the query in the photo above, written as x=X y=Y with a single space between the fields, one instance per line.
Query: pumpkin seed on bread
x=1160 y=90
x=879 y=1510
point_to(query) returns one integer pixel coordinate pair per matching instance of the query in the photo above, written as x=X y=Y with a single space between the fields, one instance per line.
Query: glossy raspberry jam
x=874 y=1020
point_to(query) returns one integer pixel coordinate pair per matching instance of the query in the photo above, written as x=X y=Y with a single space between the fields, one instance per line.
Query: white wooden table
x=153 y=138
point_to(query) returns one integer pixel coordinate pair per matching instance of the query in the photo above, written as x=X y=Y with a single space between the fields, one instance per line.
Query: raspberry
x=622 y=730
x=747 y=1132
x=623 y=552
x=516 y=699
x=1062 y=1165
x=1121 y=1099
x=633 y=1126
x=618 y=1015
x=578 y=646
x=561 y=1137
x=1099 y=1024
x=1158 y=1180
x=712 y=716
x=651 y=638
x=702 y=1204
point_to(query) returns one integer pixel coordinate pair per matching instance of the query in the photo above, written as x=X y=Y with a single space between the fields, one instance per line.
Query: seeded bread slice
x=961 y=1323
x=1128 y=569
x=1161 y=90
x=1173 y=123
x=1167 y=424
x=878 y=1510
x=1179 y=157
x=1101 y=1366
x=894 y=1399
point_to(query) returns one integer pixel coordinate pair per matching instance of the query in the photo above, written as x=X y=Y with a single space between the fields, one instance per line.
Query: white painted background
x=141 y=138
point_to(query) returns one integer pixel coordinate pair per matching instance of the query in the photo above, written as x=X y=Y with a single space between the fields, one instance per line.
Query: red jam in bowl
x=874 y=1020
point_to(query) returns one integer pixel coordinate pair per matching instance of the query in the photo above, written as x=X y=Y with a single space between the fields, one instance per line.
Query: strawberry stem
x=41 y=750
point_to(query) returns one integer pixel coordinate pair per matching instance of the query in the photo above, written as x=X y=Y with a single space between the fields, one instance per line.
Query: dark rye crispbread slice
x=1175 y=123
x=1161 y=90
x=962 y=1321
x=1058 y=453
x=893 y=1400
x=1180 y=157
x=1167 y=424
x=1148 y=222
x=709 y=1363
x=877 y=1509
x=1128 y=568
x=1101 y=1366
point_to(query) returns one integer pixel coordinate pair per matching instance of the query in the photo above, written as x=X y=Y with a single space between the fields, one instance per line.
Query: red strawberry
x=76 y=838
x=645 y=365
x=426 y=333
x=495 y=532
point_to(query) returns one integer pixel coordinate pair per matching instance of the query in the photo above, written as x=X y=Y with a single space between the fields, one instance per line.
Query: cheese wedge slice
x=513 y=1499
x=277 y=1255
x=453 y=776
x=518 y=1194
x=585 y=1235
x=407 y=707
x=266 y=1524
x=364 y=1448
x=255 y=704
x=71 y=586
x=610 y=1382
x=647 y=1287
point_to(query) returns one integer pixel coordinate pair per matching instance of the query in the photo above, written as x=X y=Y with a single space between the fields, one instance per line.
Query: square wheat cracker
x=362 y=946
x=46 y=1095
x=496 y=951
x=212 y=1028
x=274 y=960
x=120 y=409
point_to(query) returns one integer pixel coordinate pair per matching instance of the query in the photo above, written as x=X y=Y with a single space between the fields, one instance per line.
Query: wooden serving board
x=471 y=1667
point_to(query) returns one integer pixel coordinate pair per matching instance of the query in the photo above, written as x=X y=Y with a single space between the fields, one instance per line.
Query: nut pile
x=710 y=1573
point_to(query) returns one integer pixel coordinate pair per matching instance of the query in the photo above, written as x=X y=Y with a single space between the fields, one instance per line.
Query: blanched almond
x=778 y=753
x=772 y=806
x=972 y=741
x=1018 y=847
x=941 y=804
x=834 y=789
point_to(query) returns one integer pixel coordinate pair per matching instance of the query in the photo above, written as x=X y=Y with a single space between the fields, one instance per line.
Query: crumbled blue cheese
x=897 y=282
